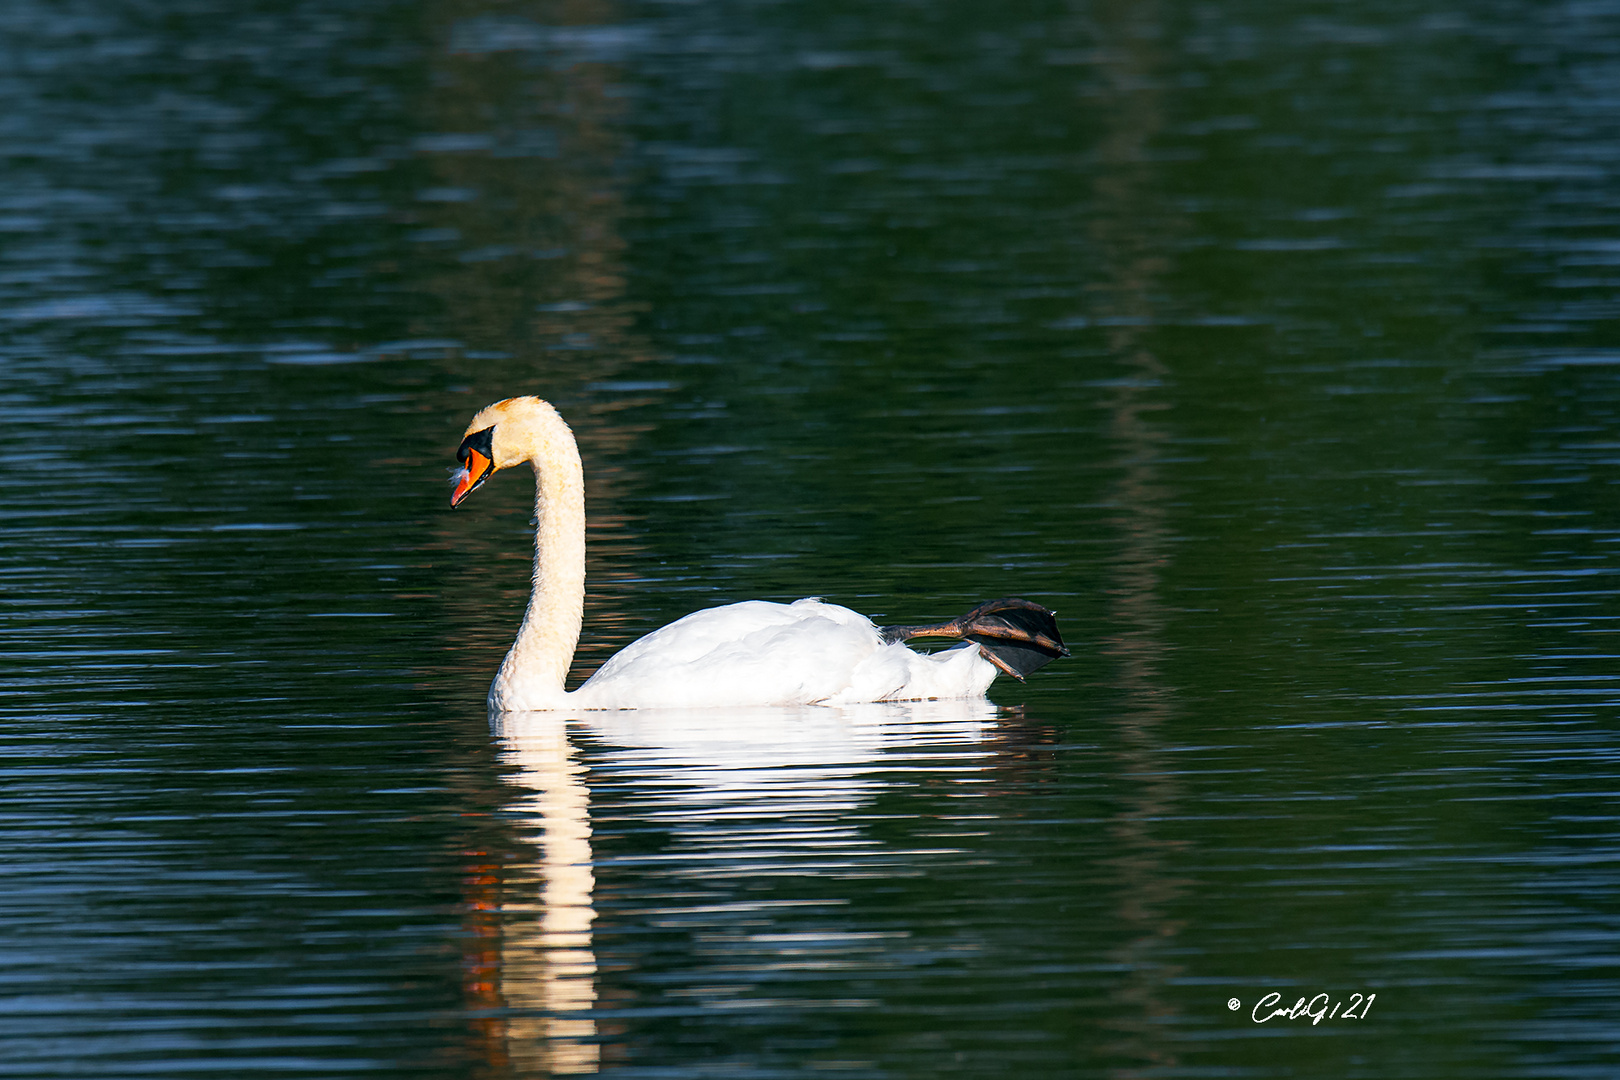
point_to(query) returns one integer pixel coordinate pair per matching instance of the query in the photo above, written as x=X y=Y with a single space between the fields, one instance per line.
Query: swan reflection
x=709 y=777
x=547 y=968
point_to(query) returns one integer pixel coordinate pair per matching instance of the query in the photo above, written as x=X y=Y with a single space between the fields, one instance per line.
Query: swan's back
x=758 y=652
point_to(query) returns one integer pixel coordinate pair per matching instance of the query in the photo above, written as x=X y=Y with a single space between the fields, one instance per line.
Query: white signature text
x=1315 y=1010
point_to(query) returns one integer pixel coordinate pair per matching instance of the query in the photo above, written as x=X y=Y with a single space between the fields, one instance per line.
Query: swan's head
x=504 y=434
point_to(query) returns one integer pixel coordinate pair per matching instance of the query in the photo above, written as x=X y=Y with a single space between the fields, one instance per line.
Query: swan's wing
x=753 y=653
x=895 y=673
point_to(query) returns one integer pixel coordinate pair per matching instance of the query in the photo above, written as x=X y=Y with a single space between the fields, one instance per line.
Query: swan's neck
x=532 y=675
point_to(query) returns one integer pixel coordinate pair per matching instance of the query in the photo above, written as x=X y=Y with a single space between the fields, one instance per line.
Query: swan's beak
x=476 y=466
x=469 y=476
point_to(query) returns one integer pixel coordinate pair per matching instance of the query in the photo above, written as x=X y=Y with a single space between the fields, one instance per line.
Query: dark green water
x=1275 y=346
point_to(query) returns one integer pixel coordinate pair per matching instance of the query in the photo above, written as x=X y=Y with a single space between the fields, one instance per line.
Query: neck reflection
x=547 y=965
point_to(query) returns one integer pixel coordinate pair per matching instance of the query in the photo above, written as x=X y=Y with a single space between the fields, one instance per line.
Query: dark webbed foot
x=1017 y=636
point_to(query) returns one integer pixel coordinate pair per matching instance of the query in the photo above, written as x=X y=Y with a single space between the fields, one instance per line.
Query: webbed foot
x=1018 y=636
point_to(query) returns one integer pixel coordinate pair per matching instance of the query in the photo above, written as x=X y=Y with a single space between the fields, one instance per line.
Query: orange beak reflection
x=474 y=472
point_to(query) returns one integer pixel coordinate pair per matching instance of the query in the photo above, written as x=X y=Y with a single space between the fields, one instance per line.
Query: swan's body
x=760 y=653
x=752 y=653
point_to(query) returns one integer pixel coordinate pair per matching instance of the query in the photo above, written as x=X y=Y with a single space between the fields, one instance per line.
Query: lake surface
x=1276 y=347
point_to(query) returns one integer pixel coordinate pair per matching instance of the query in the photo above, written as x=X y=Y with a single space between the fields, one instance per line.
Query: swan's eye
x=481 y=441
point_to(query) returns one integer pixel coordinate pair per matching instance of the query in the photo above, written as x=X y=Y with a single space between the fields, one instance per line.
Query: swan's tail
x=1017 y=636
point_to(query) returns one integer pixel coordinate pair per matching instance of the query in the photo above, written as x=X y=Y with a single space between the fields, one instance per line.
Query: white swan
x=752 y=653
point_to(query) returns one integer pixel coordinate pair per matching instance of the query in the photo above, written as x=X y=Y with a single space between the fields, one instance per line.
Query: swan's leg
x=1017 y=636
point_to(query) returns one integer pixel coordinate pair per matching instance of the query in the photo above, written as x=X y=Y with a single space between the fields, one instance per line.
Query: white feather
x=760 y=653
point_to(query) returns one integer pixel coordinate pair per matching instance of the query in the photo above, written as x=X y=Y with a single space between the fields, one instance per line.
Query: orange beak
x=474 y=472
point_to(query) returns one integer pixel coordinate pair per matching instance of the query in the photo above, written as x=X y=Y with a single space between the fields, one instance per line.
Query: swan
x=752 y=653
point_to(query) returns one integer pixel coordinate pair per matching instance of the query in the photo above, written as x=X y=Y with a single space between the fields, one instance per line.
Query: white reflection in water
x=711 y=772
x=546 y=967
